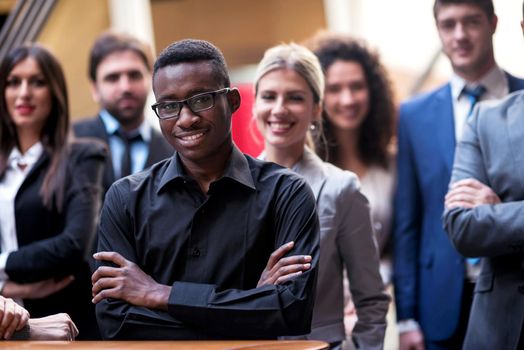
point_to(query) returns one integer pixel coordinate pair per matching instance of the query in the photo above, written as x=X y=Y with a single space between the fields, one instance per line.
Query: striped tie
x=474 y=95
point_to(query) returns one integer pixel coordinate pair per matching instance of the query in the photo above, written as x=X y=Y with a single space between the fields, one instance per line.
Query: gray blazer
x=346 y=241
x=492 y=151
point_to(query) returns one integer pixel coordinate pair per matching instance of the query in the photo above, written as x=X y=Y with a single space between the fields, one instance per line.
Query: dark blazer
x=159 y=148
x=491 y=152
x=53 y=244
x=428 y=270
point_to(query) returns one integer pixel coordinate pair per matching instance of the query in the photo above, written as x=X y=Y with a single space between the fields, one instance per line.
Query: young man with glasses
x=184 y=244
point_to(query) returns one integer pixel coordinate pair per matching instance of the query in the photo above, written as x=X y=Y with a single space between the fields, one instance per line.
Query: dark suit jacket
x=53 y=244
x=428 y=270
x=159 y=148
x=491 y=151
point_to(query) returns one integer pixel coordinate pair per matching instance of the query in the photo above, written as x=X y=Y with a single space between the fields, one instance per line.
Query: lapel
x=98 y=130
x=442 y=124
x=35 y=171
x=514 y=83
x=515 y=128
x=311 y=168
x=156 y=152
x=158 y=149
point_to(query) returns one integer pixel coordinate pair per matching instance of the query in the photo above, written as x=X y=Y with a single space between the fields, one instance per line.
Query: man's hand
x=54 y=327
x=35 y=290
x=13 y=317
x=280 y=269
x=411 y=340
x=127 y=282
x=469 y=193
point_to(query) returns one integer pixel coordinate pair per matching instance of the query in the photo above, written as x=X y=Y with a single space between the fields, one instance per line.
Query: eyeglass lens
x=196 y=104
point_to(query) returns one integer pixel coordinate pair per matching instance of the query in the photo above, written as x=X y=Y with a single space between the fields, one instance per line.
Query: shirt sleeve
x=360 y=255
x=61 y=254
x=198 y=310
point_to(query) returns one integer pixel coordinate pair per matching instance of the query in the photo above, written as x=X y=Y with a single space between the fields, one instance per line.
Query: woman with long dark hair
x=359 y=121
x=358 y=125
x=50 y=191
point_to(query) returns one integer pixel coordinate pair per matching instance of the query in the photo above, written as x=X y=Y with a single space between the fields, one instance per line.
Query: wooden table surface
x=164 y=345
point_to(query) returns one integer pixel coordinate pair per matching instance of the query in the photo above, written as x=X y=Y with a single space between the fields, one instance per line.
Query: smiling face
x=466 y=34
x=121 y=87
x=284 y=109
x=201 y=137
x=28 y=96
x=347 y=96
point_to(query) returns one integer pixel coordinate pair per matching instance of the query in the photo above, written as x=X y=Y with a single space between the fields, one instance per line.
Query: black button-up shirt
x=211 y=248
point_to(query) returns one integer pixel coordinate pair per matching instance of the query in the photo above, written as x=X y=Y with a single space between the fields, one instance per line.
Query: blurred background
x=402 y=31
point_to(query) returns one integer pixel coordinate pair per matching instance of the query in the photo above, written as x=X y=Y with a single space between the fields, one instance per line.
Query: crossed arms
x=131 y=304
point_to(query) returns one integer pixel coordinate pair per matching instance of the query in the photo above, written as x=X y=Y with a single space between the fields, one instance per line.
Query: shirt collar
x=237 y=169
x=30 y=157
x=111 y=125
x=495 y=81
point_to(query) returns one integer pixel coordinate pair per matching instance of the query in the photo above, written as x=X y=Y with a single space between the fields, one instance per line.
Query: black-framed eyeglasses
x=196 y=103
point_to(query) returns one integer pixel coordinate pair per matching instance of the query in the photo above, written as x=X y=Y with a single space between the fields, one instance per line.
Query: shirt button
x=196 y=252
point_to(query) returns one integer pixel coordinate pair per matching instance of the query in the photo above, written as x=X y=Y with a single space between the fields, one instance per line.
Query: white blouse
x=18 y=166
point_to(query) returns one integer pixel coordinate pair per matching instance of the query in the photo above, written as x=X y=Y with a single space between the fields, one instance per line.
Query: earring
x=312 y=127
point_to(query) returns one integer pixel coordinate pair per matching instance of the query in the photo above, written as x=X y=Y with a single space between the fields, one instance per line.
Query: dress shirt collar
x=30 y=157
x=111 y=124
x=495 y=81
x=237 y=169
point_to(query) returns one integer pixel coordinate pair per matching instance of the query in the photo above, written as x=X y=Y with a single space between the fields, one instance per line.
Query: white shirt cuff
x=3 y=262
x=408 y=325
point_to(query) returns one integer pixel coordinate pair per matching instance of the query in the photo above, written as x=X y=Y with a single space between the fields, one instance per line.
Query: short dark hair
x=111 y=42
x=484 y=5
x=377 y=128
x=56 y=128
x=193 y=50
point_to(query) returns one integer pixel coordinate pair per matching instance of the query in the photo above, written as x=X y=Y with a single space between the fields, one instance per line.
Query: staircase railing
x=24 y=23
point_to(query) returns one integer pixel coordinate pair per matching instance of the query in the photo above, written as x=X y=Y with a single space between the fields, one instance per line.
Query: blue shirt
x=139 y=149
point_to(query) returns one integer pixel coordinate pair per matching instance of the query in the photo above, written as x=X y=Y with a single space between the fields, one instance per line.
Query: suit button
x=195 y=252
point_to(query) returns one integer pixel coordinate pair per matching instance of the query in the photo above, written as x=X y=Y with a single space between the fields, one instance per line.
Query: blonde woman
x=289 y=90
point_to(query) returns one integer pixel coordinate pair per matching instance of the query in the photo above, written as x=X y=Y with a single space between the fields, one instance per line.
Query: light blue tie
x=473 y=261
x=474 y=95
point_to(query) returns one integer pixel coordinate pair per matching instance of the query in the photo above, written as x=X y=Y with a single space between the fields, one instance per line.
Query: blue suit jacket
x=428 y=270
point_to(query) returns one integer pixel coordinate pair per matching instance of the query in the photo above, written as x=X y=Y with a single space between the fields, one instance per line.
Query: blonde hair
x=301 y=60
x=295 y=57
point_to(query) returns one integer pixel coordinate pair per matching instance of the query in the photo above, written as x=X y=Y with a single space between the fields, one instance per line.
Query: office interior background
x=402 y=31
